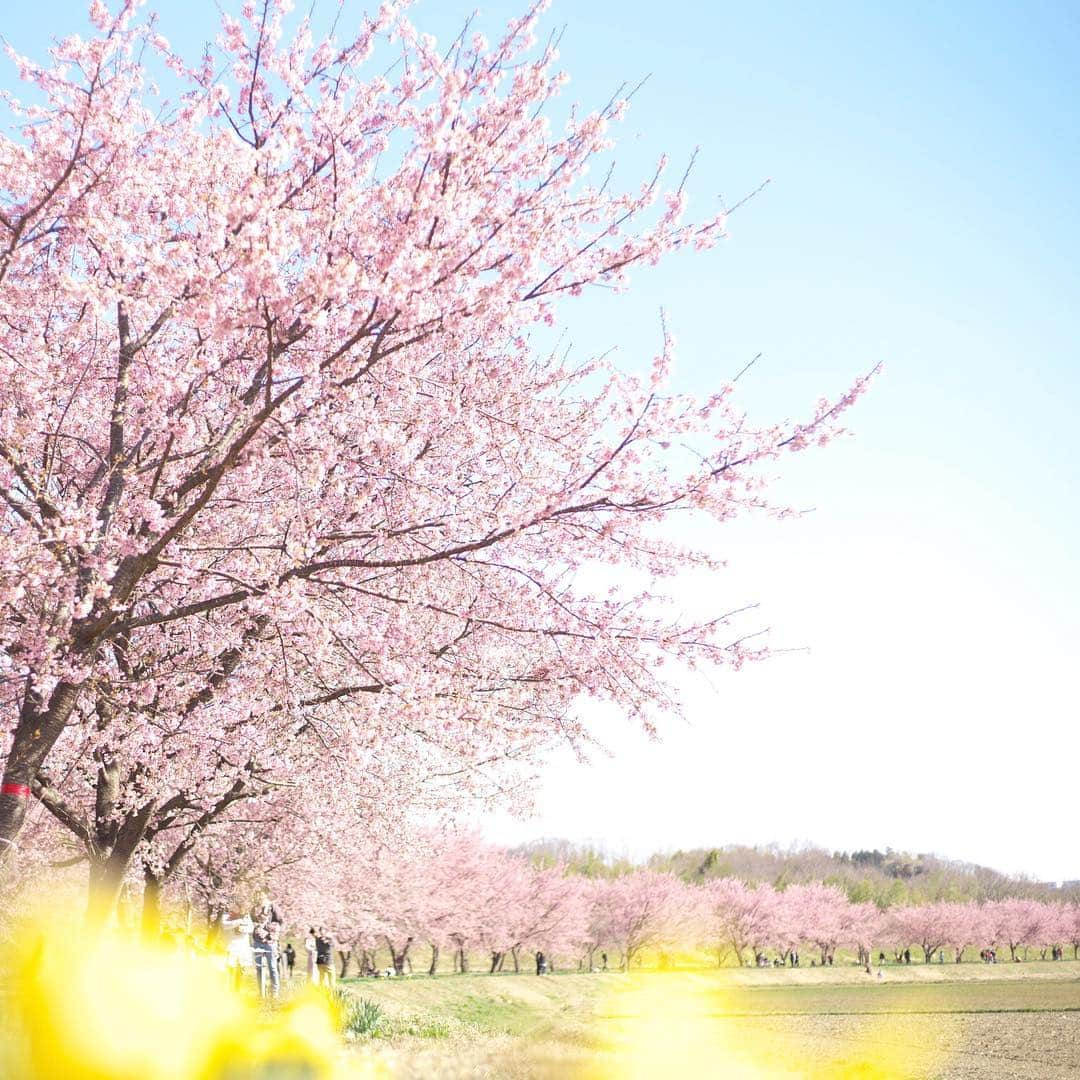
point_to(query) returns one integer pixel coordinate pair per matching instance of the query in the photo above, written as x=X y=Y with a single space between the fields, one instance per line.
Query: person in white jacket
x=310 y=948
x=238 y=926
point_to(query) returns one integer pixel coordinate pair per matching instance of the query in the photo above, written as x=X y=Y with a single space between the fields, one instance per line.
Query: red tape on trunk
x=15 y=789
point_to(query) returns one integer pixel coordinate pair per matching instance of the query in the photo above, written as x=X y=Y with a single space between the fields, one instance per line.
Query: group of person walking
x=252 y=945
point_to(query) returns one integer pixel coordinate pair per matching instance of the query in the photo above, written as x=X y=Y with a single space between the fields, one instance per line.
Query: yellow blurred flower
x=108 y=1007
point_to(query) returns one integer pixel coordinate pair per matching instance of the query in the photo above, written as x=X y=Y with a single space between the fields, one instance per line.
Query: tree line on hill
x=885 y=878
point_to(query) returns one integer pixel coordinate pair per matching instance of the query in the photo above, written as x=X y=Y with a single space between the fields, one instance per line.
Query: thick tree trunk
x=399 y=956
x=151 y=907
x=959 y=953
x=463 y=961
x=496 y=962
x=106 y=879
x=107 y=871
x=35 y=735
x=344 y=955
x=515 y=953
x=434 y=967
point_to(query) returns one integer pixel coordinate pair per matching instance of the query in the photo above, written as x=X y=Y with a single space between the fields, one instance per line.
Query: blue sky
x=924 y=161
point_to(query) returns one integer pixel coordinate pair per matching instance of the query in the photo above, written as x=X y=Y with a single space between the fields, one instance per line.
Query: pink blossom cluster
x=290 y=495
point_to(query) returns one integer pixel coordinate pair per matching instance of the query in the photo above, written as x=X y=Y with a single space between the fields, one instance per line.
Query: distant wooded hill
x=886 y=877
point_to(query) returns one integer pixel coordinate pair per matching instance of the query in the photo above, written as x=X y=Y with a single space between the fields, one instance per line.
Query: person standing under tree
x=311 y=949
x=264 y=940
x=324 y=957
x=237 y=928
x=290 y=958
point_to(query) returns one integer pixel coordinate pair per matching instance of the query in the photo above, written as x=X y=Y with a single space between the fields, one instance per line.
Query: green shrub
x=357 y=1017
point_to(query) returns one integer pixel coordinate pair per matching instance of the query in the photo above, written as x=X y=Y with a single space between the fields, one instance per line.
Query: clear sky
x=925 y=164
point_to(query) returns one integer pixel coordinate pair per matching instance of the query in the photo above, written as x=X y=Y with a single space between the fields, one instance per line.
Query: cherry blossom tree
x=788 y=925
x=1052 y=928
x=964 y=927
x=276 y=430
x=1014 y=922
x=543 y=909
x=822 y=914
x=642 y=909
x=930 y=926
x=862 y=929
x=1071 y=928
x=149 y=790
x=739 y=915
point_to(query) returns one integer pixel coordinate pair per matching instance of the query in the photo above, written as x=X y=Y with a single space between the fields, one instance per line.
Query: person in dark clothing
x=324 y=957
x=290 y=958
x=603 y=961
x=541 y=964
x=907 y=956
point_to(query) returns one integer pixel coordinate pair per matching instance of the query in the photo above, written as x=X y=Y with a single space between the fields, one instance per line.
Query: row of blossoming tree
x=385 y=887
x=454 y=893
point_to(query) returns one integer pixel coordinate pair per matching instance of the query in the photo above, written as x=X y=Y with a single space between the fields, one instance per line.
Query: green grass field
x=967 y=1022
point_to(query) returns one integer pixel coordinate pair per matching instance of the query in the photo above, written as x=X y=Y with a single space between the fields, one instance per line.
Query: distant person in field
x=324 y=957
x=310 y=949
x=880 y=958
x=541 y=963
x=237 y=926
x=907 y=956
x=603 y=961
x=290 y=958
